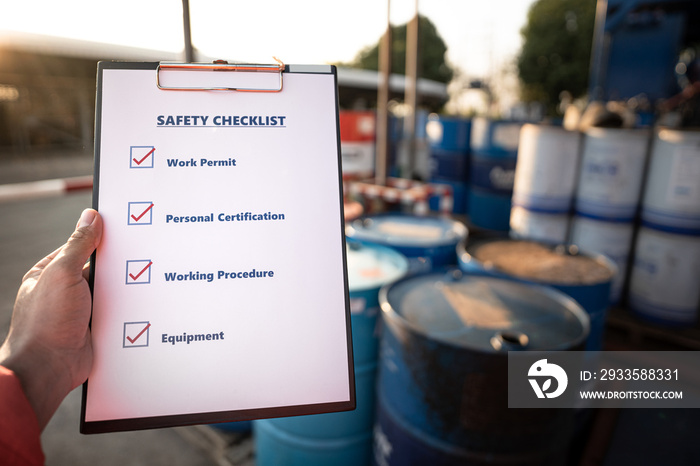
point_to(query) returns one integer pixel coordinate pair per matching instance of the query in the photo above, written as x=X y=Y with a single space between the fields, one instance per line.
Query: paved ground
x=15 y=168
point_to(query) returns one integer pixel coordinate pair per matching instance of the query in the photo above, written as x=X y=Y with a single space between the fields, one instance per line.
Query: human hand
x=49 y=345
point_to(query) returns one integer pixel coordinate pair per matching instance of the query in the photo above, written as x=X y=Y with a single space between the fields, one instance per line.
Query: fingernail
x=86 y=218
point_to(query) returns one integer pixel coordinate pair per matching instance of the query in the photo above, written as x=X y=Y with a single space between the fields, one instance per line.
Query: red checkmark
x=136 y=277
x=139 y=335
x=136 y=219
x=139 y=162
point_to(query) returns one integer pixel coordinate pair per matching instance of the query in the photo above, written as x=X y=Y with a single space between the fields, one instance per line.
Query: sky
x=481 y=35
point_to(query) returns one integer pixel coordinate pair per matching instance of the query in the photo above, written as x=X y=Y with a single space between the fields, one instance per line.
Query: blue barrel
x=275 y=446
x=428 y=242
x=449 y=146
x=402 y=144
x=442 y=391
x=369 y=268
x=585 y=277
x=494 y=150
x=340 y=438
x=449 y=143
x=343 y=439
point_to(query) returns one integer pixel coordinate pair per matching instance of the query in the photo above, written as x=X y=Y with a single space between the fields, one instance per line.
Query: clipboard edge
x=182 y=420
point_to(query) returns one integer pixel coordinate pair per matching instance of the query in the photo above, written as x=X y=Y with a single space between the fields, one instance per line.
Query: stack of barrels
x=632 y=195
x=434 y=316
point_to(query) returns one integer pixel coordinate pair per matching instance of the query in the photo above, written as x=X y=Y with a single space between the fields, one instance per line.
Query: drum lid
x=485 y=314
x=407 y=230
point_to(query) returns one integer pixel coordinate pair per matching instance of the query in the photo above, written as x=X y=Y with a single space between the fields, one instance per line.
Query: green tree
x=431 y=52
x=555 y=55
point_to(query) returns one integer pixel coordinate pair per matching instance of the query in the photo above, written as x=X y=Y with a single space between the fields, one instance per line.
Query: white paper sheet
x=219 y=285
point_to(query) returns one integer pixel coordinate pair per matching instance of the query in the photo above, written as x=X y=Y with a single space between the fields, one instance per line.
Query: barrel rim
x=391 y=315
x=465 y=257
x=390 y=252
x=461 y=232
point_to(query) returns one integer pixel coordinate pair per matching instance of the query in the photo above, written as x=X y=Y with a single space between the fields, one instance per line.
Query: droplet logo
x=547 y=371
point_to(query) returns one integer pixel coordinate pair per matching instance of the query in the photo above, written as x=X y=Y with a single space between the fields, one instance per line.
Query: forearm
x=43 y=387
x=19 y=430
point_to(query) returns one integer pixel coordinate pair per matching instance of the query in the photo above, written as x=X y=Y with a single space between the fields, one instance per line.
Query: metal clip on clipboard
x=221 y=65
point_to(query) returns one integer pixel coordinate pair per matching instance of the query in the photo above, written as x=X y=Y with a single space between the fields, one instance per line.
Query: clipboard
x=220 y=288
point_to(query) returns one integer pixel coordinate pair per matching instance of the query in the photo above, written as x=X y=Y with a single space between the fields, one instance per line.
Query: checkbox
x=141 y=156
x=138 y=272
x=140 y=213
x=136 y=334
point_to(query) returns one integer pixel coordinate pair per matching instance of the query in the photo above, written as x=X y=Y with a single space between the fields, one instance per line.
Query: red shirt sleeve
x=20 y=442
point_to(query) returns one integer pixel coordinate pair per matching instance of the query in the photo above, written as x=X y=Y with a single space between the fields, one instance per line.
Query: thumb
x=82 y=242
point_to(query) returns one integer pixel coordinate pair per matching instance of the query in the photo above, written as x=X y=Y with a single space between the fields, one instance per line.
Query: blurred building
x=47 y=89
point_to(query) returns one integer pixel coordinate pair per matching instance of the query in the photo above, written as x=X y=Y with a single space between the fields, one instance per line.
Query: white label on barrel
x=501 y=179
x=611 y=175
x=684 y=185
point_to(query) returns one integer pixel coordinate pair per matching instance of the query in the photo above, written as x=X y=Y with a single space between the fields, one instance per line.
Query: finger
x=82 y=242
x=86 y=271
